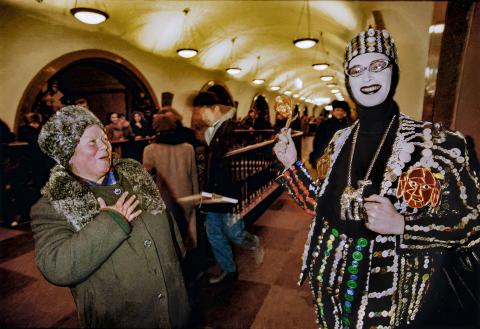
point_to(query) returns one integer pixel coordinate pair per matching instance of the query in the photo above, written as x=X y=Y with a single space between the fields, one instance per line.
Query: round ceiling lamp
x=326 y=77
x=233 y=70
x=275 y=88
x=257 y=81
x=332 y=85
x=320 y=66
x=187 y=52
x=308 y=42
x=305 y=43
x=89 y=15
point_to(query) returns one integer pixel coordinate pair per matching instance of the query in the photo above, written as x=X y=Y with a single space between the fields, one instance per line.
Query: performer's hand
x=285 y=148
x=383 y=218
x=123 y=206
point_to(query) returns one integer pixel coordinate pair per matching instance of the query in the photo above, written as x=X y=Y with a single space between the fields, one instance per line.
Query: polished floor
x=265 y=296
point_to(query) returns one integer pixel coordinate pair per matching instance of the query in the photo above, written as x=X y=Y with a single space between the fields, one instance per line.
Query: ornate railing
x=24 y=170
x=254 y=168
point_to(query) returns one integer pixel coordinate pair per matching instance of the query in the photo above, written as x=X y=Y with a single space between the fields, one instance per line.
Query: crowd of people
x=392 y=195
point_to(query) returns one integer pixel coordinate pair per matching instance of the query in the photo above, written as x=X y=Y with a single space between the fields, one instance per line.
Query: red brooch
x=419 y=187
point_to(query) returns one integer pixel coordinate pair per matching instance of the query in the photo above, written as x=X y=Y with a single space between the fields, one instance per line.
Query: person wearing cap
x=222 y=225
x=340 y=119
x=102 y=229
x=397 y=194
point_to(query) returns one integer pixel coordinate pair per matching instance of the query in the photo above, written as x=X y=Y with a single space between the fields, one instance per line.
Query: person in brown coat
x=102 y=229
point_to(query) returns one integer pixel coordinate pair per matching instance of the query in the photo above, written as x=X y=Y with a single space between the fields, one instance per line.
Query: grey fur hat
x=62 y=132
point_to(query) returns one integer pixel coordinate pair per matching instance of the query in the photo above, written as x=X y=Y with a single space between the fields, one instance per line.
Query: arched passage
x=107 y=81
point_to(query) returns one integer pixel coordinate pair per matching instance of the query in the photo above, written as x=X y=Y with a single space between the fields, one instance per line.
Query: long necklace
x=351 y=201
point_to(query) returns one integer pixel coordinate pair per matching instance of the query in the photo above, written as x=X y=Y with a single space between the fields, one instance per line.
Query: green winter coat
x=120 y=276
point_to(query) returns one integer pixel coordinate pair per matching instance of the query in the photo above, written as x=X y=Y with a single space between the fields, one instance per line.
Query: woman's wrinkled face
x=93 y=155
x=371 y=87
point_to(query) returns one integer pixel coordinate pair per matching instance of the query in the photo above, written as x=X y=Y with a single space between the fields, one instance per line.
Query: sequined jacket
x=399 y=266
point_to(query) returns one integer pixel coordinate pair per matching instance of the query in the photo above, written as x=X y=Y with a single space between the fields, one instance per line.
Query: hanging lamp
x=233 y=70
x=90 y=16
x=187 y=52
x=321 y=66
x=305 y=42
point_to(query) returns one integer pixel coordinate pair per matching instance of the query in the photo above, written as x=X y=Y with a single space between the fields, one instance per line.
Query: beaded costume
x=361 y=279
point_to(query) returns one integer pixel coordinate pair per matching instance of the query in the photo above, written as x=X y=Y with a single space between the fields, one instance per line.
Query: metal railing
x=254 y=169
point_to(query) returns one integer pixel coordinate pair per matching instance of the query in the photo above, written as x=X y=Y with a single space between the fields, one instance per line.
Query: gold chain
x=377 y=152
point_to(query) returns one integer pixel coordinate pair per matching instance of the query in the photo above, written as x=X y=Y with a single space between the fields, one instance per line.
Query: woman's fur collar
x=79 y=205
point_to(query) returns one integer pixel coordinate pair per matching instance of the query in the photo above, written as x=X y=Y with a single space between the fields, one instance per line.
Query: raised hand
x=123 y=206
x=285 y=148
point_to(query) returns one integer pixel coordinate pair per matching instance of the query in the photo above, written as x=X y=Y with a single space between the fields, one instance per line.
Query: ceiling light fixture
x=89 y=15
x=257 y=81
x=187 y=52
x=321 y=66
x=287 y=92
x=332 y=85
x=326 y=78
x=275 y=88
x=308 y=42
x=334 y=91
x=232 y=70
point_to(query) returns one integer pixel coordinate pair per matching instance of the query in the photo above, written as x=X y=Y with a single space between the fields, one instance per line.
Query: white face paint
x=370 y=88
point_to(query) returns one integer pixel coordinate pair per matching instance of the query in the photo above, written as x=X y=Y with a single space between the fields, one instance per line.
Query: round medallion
x=117 y=191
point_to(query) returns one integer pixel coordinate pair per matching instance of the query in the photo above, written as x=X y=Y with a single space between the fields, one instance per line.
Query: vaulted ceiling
x=263 y=32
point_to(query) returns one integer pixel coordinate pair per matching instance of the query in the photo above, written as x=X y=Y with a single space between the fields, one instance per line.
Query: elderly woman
x=101 y=228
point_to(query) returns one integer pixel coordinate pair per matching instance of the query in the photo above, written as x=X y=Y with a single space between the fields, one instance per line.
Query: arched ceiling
x=262 y=29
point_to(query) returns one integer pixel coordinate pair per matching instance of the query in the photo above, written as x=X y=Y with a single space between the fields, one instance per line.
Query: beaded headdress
x=371 y=41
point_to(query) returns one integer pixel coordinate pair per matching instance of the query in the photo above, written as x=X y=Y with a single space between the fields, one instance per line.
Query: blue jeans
x=220 y=232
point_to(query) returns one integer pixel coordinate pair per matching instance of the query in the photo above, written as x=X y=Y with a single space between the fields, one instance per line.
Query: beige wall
x=28 y=44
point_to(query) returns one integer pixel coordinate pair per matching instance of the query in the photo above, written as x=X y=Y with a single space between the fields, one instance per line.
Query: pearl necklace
x=351 y=201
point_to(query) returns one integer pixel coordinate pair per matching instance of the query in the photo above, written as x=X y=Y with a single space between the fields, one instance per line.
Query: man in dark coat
x=221 y=224
x=340 y=119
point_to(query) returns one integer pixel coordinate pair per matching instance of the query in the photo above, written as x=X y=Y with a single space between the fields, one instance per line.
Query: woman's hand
x=123 y=206
x=285 y=148
x=383 y=218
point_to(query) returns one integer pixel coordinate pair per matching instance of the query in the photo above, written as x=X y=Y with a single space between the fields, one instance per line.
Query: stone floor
x=265 y=296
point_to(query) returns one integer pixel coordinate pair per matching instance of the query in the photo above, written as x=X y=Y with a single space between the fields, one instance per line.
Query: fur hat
x=62 y=132
x=371 y=41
